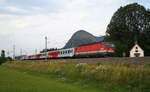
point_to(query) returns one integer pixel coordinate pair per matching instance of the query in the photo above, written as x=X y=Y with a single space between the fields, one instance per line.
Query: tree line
x=49 y=49
x=3 y=58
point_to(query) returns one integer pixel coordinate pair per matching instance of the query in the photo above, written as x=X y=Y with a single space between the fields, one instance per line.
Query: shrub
x=2 y=60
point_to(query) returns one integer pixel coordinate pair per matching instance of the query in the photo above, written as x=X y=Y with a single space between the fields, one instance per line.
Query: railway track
x=108 y=60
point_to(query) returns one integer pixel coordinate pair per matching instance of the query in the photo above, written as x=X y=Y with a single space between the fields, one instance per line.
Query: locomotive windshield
x=110 y=45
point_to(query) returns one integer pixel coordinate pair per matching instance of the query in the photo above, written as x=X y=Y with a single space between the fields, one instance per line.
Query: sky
x=25 y=23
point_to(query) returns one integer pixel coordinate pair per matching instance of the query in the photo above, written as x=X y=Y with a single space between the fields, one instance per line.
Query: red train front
x=95 y=50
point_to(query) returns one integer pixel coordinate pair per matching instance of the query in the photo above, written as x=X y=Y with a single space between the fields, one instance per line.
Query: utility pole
x=46 y=48
x=21 y=52
x=14 y=48
x=35 y=51
x=8 y=53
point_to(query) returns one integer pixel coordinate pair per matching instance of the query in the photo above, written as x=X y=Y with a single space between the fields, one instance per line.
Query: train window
x=109 y=45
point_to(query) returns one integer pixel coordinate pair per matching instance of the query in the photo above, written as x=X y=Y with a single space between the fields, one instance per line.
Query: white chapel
x=136 y=51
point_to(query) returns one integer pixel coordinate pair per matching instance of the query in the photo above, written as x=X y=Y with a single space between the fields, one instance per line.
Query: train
x=99 y=49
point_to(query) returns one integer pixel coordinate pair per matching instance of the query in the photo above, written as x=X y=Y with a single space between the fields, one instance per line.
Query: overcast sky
x=25 y=23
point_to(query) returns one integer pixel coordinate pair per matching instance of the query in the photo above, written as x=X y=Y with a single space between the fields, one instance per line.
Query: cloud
x=38 y=9
x=12 y=23
x=15 y=9
x=2 y=1
x=32 y=29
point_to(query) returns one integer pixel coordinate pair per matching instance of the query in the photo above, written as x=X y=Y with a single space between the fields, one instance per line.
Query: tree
x=50 y=49
x=129 y=24
x=145 y=41
x=3 y=54
x=2 y=58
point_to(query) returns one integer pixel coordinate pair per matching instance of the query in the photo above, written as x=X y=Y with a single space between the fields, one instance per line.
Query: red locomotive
x=96 y=49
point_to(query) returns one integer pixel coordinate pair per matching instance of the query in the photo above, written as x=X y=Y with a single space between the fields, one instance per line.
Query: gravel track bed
x=108 y=60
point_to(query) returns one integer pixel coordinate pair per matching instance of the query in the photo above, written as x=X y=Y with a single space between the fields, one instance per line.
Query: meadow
x=20 y=81
x=107 y=78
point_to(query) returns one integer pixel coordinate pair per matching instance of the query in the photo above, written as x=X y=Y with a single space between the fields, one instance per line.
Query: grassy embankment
x=109 y=78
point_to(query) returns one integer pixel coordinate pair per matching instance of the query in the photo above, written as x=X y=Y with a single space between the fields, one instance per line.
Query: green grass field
x=73 y=77
x=19 y=81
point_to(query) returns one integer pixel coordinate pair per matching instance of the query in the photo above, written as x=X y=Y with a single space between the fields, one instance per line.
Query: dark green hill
x=82 y=37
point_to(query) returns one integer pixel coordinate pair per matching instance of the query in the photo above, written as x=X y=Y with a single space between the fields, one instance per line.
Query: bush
x=2 y=60
x=147 y=64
